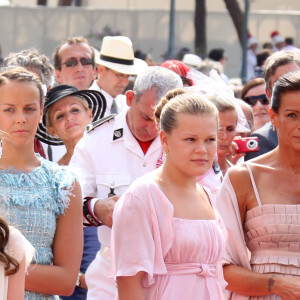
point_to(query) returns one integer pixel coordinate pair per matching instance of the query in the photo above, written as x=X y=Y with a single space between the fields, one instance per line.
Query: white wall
x=44 y=28
x=180 y=4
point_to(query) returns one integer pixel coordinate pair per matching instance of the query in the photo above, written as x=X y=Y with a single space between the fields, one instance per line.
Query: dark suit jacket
x=267 y=140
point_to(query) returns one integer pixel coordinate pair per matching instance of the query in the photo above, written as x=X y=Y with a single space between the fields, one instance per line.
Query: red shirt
x=145 y=145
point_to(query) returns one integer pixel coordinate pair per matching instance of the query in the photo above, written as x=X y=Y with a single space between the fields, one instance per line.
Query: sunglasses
x=252 y=100
x=73 y=62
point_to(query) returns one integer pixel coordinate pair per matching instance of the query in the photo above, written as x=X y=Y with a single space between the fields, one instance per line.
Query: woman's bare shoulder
x=263 y=160
x=239 y=177
x=238 y=172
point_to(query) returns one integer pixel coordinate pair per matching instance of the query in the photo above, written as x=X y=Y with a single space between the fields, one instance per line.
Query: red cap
x=176 y=66
x=274 y=33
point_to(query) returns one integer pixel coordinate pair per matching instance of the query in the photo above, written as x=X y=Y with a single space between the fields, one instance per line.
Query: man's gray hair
x=31 y=58
x=157 y=79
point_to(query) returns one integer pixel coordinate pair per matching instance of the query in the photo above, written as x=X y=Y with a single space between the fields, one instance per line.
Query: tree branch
x=200 y=27
x=237 y=17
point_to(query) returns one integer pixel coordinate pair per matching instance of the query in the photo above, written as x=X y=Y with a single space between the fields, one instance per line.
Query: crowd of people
x=124 y=179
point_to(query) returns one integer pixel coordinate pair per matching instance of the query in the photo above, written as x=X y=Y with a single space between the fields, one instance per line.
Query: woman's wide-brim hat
x=96 y=102
x=117 y=54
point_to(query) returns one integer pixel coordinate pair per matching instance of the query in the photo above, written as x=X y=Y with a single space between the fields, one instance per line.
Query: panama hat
x=117 y=54
x=96 y=102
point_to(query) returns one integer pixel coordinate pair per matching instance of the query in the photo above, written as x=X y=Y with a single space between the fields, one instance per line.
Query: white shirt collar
x=108 y=97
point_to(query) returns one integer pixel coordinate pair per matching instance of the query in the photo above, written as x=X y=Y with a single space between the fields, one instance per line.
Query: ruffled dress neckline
x=12 y=170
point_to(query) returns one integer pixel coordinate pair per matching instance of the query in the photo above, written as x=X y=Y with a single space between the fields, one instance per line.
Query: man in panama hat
x=116 y=63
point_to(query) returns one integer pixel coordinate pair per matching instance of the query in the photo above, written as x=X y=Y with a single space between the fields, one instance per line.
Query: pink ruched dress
x=180 y=257
x=272 y=234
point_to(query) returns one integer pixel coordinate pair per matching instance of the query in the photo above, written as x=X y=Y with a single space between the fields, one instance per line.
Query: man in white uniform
x=110 y=156
x=115 y=64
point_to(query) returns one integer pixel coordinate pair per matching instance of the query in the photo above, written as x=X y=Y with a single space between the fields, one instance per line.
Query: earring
x=166 y=151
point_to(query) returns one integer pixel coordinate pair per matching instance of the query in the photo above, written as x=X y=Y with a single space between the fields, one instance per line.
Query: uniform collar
x=121 y=132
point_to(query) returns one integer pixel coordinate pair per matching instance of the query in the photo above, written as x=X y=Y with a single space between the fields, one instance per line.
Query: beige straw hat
x=117 y=54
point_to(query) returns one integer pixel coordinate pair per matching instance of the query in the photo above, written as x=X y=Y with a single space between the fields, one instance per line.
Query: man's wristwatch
x=88 y=213
x=78 y=279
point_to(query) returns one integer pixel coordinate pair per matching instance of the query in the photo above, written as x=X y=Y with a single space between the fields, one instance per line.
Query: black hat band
x=117 y=60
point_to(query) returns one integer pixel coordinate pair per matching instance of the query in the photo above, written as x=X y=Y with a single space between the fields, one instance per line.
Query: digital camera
x=246 y=144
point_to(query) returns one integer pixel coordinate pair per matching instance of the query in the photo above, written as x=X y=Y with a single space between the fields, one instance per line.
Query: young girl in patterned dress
x=38 y=197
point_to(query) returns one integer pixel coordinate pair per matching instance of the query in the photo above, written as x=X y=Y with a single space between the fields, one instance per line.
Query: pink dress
x=267 y=242
x=272 y=234
x=180 y=257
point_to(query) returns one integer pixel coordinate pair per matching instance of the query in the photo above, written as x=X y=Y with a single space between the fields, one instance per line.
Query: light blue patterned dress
x=32 y=202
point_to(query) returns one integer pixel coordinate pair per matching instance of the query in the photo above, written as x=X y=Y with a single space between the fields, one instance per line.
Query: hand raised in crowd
x=233 y=157
x=104 y=209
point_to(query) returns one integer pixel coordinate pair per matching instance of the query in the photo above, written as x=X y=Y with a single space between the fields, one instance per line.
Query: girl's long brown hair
x=11 y=265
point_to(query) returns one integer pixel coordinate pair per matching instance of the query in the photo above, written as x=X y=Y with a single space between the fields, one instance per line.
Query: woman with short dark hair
x=260 y=206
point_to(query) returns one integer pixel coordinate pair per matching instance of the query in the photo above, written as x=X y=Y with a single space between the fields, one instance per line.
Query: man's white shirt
x=120 y=100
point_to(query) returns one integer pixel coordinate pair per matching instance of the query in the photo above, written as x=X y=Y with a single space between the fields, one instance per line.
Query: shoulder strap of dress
x=253 y=184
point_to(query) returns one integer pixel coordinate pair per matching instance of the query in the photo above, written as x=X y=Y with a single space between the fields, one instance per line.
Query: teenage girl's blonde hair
x=181 y=101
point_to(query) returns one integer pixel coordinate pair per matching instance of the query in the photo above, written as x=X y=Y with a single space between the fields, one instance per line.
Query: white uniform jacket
x=109 y=158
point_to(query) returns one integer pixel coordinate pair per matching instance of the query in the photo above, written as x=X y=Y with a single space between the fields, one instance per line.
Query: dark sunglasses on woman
x=73 y=62
x=252 y=100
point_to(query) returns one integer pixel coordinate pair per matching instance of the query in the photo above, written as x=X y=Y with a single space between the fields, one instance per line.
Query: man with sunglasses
x=278 y=64
x=74 y=63
x=115 y=64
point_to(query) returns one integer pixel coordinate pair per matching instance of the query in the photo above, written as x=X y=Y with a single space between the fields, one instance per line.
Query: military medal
x=118 y=133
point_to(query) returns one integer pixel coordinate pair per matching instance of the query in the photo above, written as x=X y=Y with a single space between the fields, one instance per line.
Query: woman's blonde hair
x=221 y=103
x=181 y=101
x=84 y=103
